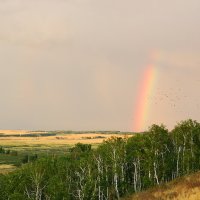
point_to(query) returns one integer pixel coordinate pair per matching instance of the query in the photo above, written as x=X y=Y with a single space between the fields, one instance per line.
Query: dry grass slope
x=185 y=188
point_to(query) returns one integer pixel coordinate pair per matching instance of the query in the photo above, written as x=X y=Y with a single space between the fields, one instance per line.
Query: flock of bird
x=174 y=98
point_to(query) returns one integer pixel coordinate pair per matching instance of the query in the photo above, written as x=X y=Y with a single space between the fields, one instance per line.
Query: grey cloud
x=77 y=64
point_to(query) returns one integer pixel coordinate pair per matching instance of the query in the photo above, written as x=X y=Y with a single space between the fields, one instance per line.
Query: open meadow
x=19 y=144
x=18 y=139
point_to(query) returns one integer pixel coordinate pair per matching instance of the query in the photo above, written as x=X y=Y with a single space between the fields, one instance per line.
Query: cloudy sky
x=78 y=64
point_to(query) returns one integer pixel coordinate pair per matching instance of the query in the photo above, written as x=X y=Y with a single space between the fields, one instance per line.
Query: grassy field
x=26 y=142
x=5 y=169
x=29 y=140
x=185 y=188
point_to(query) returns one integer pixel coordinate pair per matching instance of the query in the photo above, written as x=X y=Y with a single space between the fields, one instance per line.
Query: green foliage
x=117 y=167
x=79 y=147
x=13 y=153
x=16 y=196
x=12 y=157
x=3 y=185
x=2 y=150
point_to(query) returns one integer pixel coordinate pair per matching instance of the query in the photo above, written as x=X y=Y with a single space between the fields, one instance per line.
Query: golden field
x=5 y=169
x=59 y=139
x=14 y=131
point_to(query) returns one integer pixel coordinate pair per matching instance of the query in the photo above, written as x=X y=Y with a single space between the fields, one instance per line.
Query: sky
x=80 y=64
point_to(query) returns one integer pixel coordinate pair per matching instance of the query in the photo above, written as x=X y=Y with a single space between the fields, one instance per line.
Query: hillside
x=115 y=168
x=185 y=188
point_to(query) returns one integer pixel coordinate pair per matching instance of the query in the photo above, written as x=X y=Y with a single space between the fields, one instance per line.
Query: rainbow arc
x=146 y=89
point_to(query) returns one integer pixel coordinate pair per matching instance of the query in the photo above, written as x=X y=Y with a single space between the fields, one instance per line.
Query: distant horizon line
x=43 y=130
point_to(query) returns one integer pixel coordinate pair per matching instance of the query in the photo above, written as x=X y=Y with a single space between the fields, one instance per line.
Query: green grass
x=10 y=160
x=22 y=151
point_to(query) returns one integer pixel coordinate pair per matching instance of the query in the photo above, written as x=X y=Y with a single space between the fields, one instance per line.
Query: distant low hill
x=185 y=188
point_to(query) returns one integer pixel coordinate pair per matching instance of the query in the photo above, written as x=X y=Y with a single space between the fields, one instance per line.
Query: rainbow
x=145 y=89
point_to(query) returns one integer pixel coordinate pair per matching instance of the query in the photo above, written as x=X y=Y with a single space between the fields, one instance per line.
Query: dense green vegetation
x=117 y=167
x=8 y=156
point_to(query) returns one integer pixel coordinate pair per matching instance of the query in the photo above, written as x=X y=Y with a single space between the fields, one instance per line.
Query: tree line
x=117 y=167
